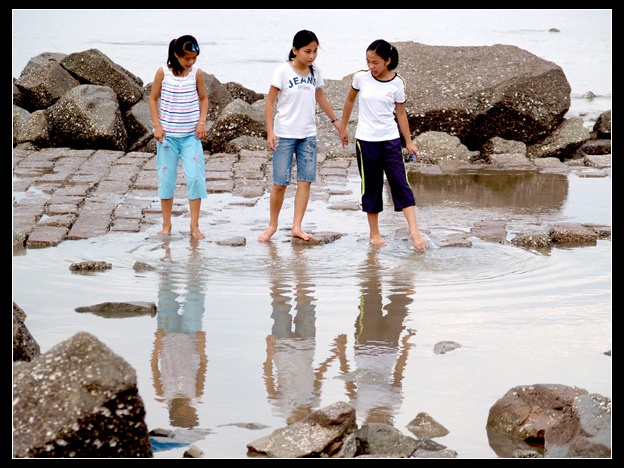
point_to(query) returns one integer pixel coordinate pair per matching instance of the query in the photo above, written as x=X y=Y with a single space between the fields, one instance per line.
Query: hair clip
x=191 y=47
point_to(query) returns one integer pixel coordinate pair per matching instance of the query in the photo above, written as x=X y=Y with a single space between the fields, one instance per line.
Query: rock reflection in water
x=516 y=191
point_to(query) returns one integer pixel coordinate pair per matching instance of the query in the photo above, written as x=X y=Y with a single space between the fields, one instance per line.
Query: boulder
x=78 y=400
x=480 y=92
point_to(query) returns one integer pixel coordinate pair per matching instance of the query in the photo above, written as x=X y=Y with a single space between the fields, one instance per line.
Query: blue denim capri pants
x=304 y=150
x=189 y=150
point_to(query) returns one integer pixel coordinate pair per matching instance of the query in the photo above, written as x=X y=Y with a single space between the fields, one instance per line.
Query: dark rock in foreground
x=78 y=400
x=567 y=421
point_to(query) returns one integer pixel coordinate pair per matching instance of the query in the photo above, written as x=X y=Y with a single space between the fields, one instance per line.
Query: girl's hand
x=159 y=134
x=272 y=141
x=200 y=131
x=344 y=137
x=412 y=149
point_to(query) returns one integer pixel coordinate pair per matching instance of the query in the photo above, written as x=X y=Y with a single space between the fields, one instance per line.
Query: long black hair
x=302 y=39
x=178 y=46
x=386 y=51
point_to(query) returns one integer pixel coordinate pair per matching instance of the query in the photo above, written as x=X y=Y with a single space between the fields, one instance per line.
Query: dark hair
x=178 y=46
x=302 y=39
x=386 y=51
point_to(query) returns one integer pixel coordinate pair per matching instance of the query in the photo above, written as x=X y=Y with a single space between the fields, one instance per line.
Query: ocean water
x=266 y=332
x=245 y=46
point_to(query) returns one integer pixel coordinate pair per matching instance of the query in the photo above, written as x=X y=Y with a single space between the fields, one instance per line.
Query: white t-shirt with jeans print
x=296 y=101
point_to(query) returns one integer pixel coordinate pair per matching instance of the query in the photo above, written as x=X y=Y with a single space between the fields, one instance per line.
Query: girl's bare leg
x=166 y=206
x=375 y=236
x=195 y=206
x=418 y=240
x=276 y=201
x=301 y=203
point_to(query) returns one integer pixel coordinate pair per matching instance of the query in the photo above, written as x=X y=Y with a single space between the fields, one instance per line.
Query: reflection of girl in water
x=179 y=359
x=380 y=353
x=289 y=366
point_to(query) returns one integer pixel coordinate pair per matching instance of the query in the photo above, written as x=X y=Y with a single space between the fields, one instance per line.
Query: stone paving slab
x=62 y=194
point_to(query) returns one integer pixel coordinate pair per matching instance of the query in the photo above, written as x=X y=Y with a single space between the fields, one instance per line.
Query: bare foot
x=298 y=232
x=377 y=241
x=267 y=234
x=418 y=240
x=165 y=231
x=196 y=233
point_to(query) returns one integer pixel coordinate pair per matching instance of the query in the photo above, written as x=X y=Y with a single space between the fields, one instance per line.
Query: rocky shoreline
x=93 y=187
x=83 y=167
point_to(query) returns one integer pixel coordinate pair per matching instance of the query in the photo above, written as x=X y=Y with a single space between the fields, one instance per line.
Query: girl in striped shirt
x=179 y=125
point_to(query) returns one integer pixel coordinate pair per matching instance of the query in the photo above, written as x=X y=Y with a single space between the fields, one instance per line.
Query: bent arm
x=269 y=106
x=202 y=93
x=346 y=114
x=404 y=127
x=153 y=104
x=327 y=108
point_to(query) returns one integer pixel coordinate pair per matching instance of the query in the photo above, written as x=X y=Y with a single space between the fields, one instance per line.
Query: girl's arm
x=346 y=113
x=153 y=103
x=200 y=128
x=269 y=105
x=327 y=108
x=404 y=127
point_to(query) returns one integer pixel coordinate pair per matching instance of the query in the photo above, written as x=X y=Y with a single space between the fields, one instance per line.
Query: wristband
x=201 y=123
x=333 y=120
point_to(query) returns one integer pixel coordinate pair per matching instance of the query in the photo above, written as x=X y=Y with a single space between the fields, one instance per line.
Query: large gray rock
x=45 y=85
x=40 y=59
x=435 y=147
x=602 y=127
x=584 y=432
x=568 y=421
x=88 y=116
x=562 y=142
x=30 y=127
x=320 y=433
x=93 y=67
x=25 y=347
x=218 y=96
x=382 y=439
x=233 y=126
x=476 y=93
x=78 y=400
x=139 y=125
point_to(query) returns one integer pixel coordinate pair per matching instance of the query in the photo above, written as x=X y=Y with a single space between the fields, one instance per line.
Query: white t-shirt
x=376 y=106
x=296 y=101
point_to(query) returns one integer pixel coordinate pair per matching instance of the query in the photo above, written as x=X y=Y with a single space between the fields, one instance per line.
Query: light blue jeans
x=304 y=150
x=190 y=151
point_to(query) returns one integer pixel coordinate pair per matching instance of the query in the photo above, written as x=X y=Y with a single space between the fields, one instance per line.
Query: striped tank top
x=179 y=103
